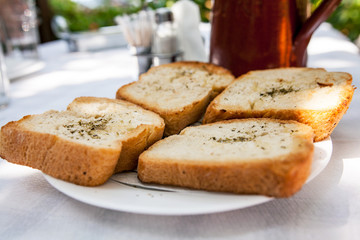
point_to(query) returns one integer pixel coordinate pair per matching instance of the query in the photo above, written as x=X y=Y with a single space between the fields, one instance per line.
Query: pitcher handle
x=311 y=24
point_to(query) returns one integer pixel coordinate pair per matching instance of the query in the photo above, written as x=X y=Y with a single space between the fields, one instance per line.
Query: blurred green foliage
x=346 y=17
x=80 y=18
x=204 y=6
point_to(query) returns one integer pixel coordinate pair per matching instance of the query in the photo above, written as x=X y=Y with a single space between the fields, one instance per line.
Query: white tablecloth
x=30 y=208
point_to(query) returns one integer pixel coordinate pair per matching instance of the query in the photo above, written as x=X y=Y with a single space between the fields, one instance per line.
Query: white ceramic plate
x=124 y=192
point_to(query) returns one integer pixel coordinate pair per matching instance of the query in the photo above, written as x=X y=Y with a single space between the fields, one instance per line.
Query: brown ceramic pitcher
x=259 y=34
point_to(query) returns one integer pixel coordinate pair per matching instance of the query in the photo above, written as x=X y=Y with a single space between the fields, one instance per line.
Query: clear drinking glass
x=4 y=82
x=19 y=36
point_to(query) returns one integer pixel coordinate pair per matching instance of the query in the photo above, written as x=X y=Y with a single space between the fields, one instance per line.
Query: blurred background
x=87 y=15
x=346 y=18
x=88 y=25
x=25 y=23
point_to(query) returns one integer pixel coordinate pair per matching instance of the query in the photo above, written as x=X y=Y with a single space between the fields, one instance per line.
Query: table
x=30 y=208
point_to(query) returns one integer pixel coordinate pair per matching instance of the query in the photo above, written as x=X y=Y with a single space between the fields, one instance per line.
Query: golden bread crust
x=206 y=66
x=175 y=119
x=265 y=178
x=57 y=157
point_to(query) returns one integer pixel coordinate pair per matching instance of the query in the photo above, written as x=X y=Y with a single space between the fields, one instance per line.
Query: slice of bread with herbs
x=179 y=92
x=86 y=144
x=246 y=156
x=312 y=96
x=131 y=117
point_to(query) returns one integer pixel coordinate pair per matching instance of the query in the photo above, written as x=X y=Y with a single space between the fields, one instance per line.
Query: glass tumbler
x=19 y=36
x=4 y=82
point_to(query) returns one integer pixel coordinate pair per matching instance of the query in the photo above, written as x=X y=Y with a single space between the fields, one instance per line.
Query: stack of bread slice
x=86 y=144
x=274 y=159
x=257 y=136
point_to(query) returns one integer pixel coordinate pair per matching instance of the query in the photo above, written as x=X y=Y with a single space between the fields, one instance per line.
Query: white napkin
x=187 y=20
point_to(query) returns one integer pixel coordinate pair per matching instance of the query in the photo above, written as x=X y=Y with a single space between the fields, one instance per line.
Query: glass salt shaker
x=165 y=43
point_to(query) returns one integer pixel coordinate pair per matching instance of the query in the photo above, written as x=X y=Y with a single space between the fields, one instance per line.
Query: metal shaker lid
x=163 y=15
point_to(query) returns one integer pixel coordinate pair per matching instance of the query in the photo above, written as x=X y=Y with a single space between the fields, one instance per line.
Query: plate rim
x=63 y=187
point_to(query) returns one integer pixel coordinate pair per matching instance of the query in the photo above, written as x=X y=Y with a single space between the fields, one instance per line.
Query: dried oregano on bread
x=312 y=96
x=179 y=92
x=85 y=144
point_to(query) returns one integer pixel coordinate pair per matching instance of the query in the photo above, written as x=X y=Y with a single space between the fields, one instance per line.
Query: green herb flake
x=278 y=91
x=232 y=140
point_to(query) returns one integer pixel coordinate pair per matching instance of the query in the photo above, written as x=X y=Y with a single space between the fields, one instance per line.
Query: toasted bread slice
x=85 y=144
x=312 y=96
x=247 y=156
x=179 y=92
x=131 y=117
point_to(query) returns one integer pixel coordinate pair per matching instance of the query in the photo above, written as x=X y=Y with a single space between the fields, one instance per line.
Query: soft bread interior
x=125 y=111
x=94 y=121
x=233 y=141
x=97 y=131
x=159 y=86
x=313 y=89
